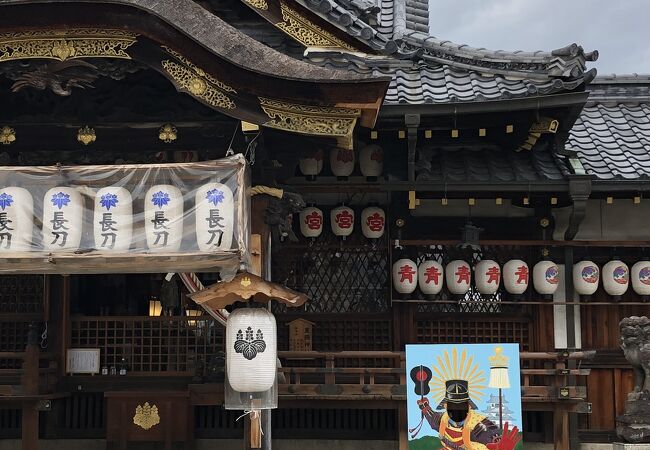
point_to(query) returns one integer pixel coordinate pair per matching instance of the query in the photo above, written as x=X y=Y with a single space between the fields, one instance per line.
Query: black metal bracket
x=579 y=191
x=412 y=122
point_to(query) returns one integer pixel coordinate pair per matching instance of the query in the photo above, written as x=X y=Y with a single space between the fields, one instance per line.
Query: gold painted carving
x=198 y=83
x=315 y=120
x=66 y=44
x=259 y=4
x=146 y=416
x=306 y=32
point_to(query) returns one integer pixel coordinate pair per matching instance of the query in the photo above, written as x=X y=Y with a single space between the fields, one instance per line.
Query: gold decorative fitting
x=66 y=44
x=146 y=416
x=259 y=4
x=246 y=281
x=306 y=32
x=168 y=133
x=545 y=125
x=544 y=222
x=545 y=252
x=86 y=135
x=7 y=136
x=197 y=82
x=306 y=119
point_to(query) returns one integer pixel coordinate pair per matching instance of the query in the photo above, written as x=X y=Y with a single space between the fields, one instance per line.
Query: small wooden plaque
x=82 y=361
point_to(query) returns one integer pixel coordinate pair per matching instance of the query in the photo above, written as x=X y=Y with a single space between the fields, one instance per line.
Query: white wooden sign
x=82 y=360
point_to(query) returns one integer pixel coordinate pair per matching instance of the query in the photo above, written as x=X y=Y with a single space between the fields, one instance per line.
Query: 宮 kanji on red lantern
x=313 y=221
x=344 y=219
x=375 y=222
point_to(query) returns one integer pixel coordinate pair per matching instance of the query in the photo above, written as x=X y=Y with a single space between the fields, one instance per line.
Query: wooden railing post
x=402 y=420
x=29 y=382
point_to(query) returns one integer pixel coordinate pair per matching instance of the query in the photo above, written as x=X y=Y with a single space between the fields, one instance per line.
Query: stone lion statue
x=634 y=425
x=635 y=342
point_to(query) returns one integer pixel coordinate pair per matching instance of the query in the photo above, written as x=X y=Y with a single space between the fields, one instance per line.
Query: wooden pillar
x=560 y=430
x=402 y=420
x=29 y=432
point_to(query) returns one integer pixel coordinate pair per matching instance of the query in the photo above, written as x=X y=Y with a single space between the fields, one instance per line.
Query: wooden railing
x=547 y=378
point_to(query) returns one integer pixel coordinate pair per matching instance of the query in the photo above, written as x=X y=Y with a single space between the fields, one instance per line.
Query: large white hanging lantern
x=62 y=219
x=113 y=219
x=371 y=161
x=311 y=222
x=251 y=349
x=342 y=162
x=405 y=276
x=458 y=275
x=546 y=276
x=616 y=278
x=640 y=276
x=585 y=277
x=516 y=276
x=16 y=220
x=488 y=276
x=312 y=165
x=215 y=217
x=342 y=221
x=430 y=277
x=163 y=218
x=373 y=222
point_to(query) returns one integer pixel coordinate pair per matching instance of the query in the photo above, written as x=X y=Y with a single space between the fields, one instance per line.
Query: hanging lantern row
x=429 y=275
x=342 y=218
x=342 y=162
x=113 y=218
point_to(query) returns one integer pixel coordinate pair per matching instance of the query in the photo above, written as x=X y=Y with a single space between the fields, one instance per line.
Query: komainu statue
x=634 y=425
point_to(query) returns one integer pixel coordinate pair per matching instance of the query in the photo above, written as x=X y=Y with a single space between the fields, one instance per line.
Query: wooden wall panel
x=607 y=388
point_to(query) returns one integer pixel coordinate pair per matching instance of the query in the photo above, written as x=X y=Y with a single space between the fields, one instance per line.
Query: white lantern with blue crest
x=62 y=219
x=113 y=219
x=215 y=217
x=16 y=220
x=585 y=277
x=163 y=218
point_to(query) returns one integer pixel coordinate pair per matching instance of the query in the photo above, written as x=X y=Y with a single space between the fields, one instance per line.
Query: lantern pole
x=499 y=377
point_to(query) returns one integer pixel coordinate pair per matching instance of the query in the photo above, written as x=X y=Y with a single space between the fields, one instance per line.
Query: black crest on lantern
x=248 y=346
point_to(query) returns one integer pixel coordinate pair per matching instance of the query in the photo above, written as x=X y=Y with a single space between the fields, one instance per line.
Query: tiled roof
x=487 y=164
x=420 y=82
x=612 y=135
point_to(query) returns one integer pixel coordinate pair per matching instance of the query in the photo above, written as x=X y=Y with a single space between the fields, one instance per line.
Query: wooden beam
x=29 y=433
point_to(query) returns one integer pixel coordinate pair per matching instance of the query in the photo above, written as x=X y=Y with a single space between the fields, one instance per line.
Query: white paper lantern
x=616 y=278
x=546 y=276
x=215 y=217
x=640 y=276
x=312 y=165
x=371 y=161
x=251 y=349
x=342 y=162
x=458 y=275
x=373 y=222
x=430 y=277
x=16 y=220
x=113 y=219
x=163 y=218
x=311 y=222
x=62 y=219
x=405 y=276
x=342 y=221
x=516 y=276
x=585 y=277
x=488 y=276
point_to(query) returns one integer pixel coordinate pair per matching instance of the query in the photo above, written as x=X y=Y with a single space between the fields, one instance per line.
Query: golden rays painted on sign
x=449 y=367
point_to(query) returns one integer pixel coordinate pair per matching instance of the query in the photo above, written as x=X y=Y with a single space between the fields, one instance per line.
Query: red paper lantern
x=405 y=276
x=516 y=276
x=458 y=275
x=373 y=222
x=342 y=162
x=342 y=221
x=430 y=277
x=311 y=222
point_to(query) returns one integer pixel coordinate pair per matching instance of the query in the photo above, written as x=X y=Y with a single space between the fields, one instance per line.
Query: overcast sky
x=618 y=29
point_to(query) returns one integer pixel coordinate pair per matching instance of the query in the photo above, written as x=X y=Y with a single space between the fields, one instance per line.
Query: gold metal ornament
x=259 y=4
x=168 y=133
x=197 y=82
x=146 y=416
x=306 y=32
x=7 y=135
x=67 y=44
x=307 y=119
x=86 y=135
x=246 y=281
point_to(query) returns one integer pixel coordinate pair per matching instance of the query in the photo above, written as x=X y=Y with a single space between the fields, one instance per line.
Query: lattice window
x=10 y=423
x=21 y=294
x=450 y=330
x=340 y=333
x=214 y=422
x=338 y=276
x=150 y=344
x=13 y=335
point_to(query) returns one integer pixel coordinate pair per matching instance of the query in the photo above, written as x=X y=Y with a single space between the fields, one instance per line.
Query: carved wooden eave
x=246 y=286
x=201 y=55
